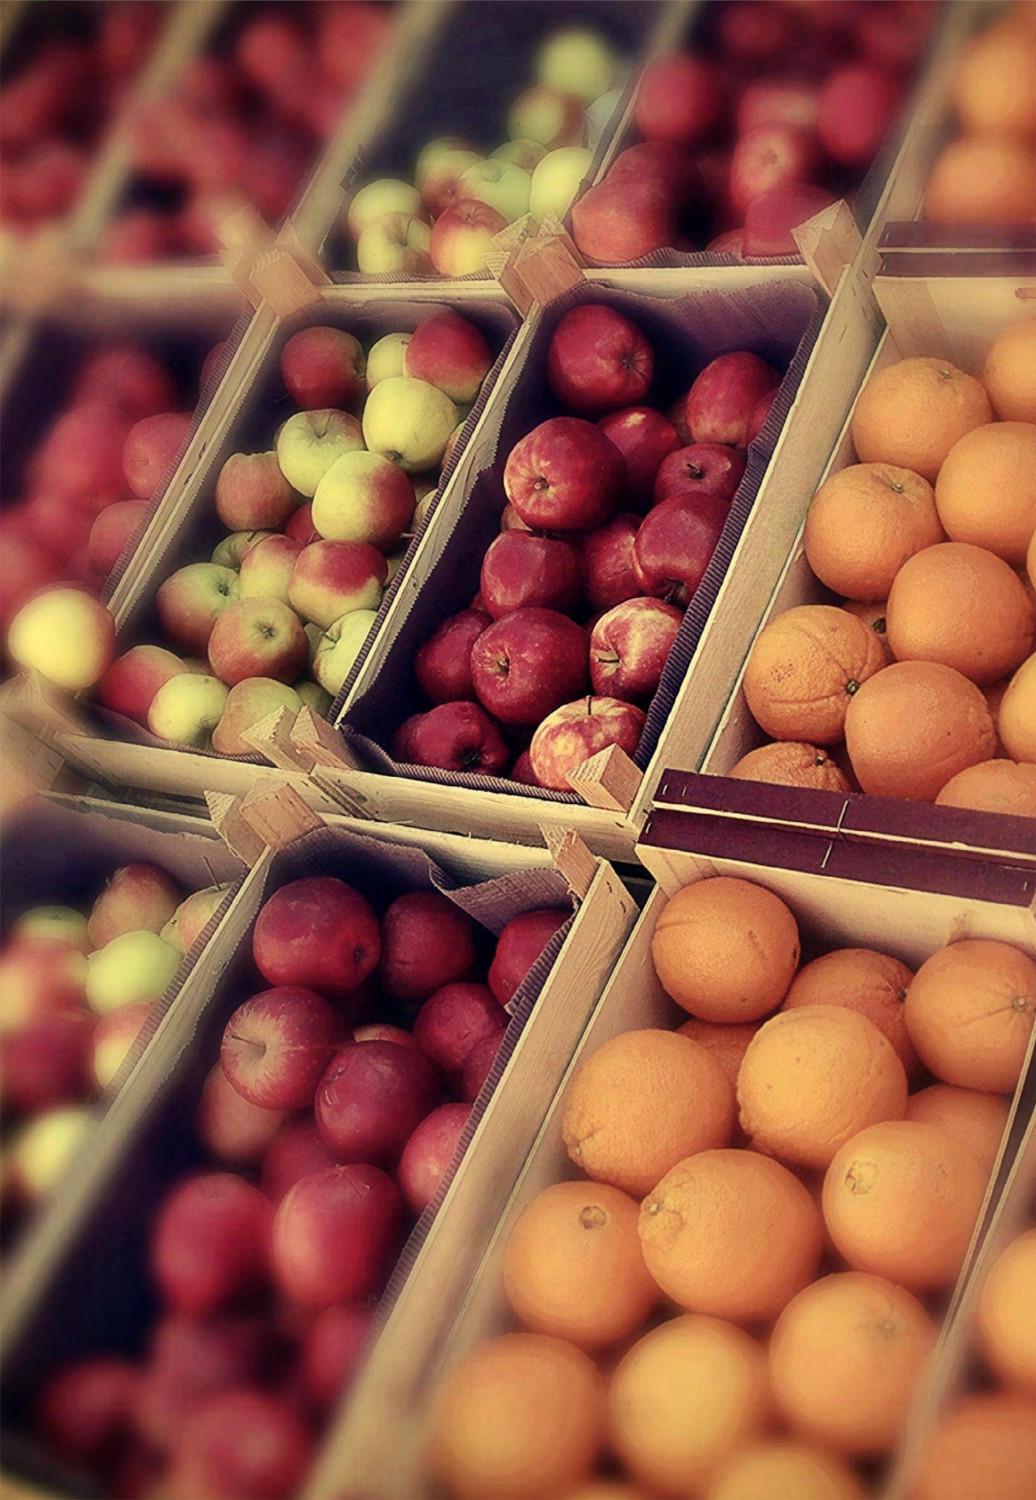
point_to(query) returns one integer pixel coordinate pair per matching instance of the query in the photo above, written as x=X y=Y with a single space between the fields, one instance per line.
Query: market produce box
x=436 y=927
x=539 y=1270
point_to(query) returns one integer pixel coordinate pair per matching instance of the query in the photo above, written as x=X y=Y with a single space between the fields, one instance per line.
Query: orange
x=872 y=614
x=910 y=414
x=969 y=1115
x=791 y=763
x=994 y=87
x=803 y=670
x=726 y=949
x=873 y=983
x=984 y=1448
x=812 y=1078
x=1016 y=721
x=963 y=606
x=1009 y=373
x=605 y=1489
x=915 y=725
x=986 y=490
x=982 y=180
x=573 y=1265
x=731 y=1233
x=845 y=1358
x=641 y=1103
x=970 y=1013
x=863 y=524
x=999 y=786
x=686 y=1397
x=901 y=1200
x=785 y=1470
x=728 y=1044
x=1007 y=1314
x=521 y=1417
x=1030 y=561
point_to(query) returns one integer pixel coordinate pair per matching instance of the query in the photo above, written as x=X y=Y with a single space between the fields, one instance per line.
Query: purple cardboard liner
x=780 y=322
x=100 y=1299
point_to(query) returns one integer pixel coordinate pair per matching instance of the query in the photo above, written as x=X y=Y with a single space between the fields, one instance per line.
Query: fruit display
x=739 y=1290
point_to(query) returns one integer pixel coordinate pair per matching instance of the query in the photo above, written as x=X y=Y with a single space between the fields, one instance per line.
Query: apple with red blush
x=722 y=399
x=523 y=571
x=237 y=1133
x=442 y=665
x=770 y=156
x=576 y=731
x=453 y=737
x=46 y=1061
x=644 y=437
x=519 y=946
x=258 y=638
x=630 y=646
x=528 y=663
x=210 y=1243
x=152 y=445
x=451 y=1022
x=134 y=678
x=128 y=377
x=331 y=579
x=111 y=531
x=624 y=220
x=296 y=1150
x=564 y=475
x=680 y=100
x=317 y=933
x=700 y=469
x=598 y=361
x=675 y=545
x=462 y=236
x=37 y=976
x=336 y=1235
x=449 y=352
x=428 y=1153
x=82 y=452
x=427 y=942
x=277 y=1045
x=324 y=367
x=771 y=218
x=191 y=600
x=663 y=162
x=253 y=495
x=856 y=107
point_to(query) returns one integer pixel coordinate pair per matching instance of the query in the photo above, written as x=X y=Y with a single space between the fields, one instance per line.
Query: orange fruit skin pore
x=845 y=1358
x=1007 y=1315
x=913 y=727
x=521 y=1417
x=982 y=180
x=901 y=1200
x=812 y=1078
x=863 y=524
x=970 y=1013
x=984 y=1448
x=910 y=414
x=1016 y=721
x=803 y=670
x=998 y=786
x=731 y=1233
x=726 y=949
x=785 y=1470
x=861 y=979
x=986 y=490
x=791 y=763
x=975 y=1118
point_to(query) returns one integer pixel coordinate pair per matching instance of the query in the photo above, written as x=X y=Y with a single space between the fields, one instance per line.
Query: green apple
x=187 y=708
x=309 y=442
x=408 y=421
x=556 y=181
x=314 y=635
x=44 y=1147
x=233 y=549
x=314 y=697
x=64 y=634
x=340 y=647
x=133 y=966
x=54 y=924
x=395 y=245
x=524 y=154
x=577 y=60
x=171 y=932
x=599 y=114
x=388 y=195
x=501 y=184
x=386 y=358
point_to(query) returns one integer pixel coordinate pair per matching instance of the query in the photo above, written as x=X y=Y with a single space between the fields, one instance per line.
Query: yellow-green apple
x=553 y=117
x=575 y=731
x=770 y=218
x=439 y=168
x=191 y=600
x=767 y=157
x=791 y=101
x=336 y=1234
x=152 y=446
x=524 y=154
x=138 y=897
x=599 y=115
x=46 y=1061
x=236 y=1132
x=598 y=361
x=518 y=947
x=314 y=635
x=700 y=469
x=114 y=1036
x=408 y=421
x=386 y=358
x=364 y=497
x=186 y=709
x=230 y=552
x=309 y=442
x=675 y=543
x=645 y=438
x=578 y=60
x=277 y=1045
x=258 y=638
x=247 y=703
x=66 y=635
x=501 y=184
x=629 y=647
x=387 y=195
x=339 y=648
x=134 y=678
x=315 y=697
x=527 y=664
x=679 y=99
x=195 y=913
x=252 y=493
x=331 y=579
x=564 y=476
x=455 y=737
x=442 y=665
x=462 y=237
x=623 y=220
x=37 y=976
x=856 y=106
x=606 y=557
x=52 y=924
x=721 y=400
x=523 y=571
x=323 y=367
x=394 y=245
x=44 y=1146
x=425 y=498
x=112 y=530
x=556 y=180
x=449 y=352
x=266 y=568
x=133 y=966
x=318 y=932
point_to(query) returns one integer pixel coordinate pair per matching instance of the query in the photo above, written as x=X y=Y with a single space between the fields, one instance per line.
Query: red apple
x=152 y=447
x=662 y=162
x=629 y=648
x=428 y=942
x=47 y=1061
x=428 y=1154
x=253 y=495
x=136 y=237
x=453 y=737
x=767 y=157
x=478 y=1065
x=606 y=553
x=257 y=638
x=134 y=678
x=324 y=367
x=894 y=34
x=772 y=101
x=760 y=412
x=331 y=579
x=210 y=362
x=857 y=105
x=730 y=242
x=527 y=664
x=37 y=976
x=450 y=353
x=236 y=1132
x=82 y=453
x=296 y=1151
x=370 y=1099
x=675 y=544
x=519 y=946
x=87 y=1409
x=333 y=1347
x=210 y=1243
x=623 y=220
x=300 y=528
x=753 y=31
x=462 y=236
x=644 y=437
x=722 y=399
x=522 y=770
x=59 y=524
x=112 y=530
x=25 y=568
x=700 y=469
x=442 y=665
x=127 y=377
x=335 y=1235
x=379 y=1031
x=522 y=571
x=598 y=361
x=317 y=933
x=243 y=1442
x=277 y=1045
x=139 y=897
x=574 y=732
x=564 y=476
x=450 y=1023
x=189 y=1361
x=679 y=99
x=770 y=218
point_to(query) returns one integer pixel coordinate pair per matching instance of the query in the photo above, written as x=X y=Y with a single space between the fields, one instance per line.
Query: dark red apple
x=111 y=531
x=518 y=947
x=576 y=731
x=151 y=449
x=371 y=1098
x=893 y=33
x=770 y=218
x=674 y=546
x=609 y=573
x=82 y=452
x=767 y=157
x=427 y=942
x=323 y=367
x=523 y=571
x=296 y=1151
x=379 y=1031
x=189 y=1361
x=318 y=933
x=644 y=437
x=332 y=1349
x=128 y=377
x=522 y=770
x=857 y=105
x=564 y=476
x=722 y=399
x=754 y=31
x=236 y=1132
x=277 y=1045
x=760 y=412
x=598 y=360
x=700 y=469
x=336 y=1234
x=527 y=664
x=730 y=242
x=88 y=1408
x=442 y=666
x=428 y=1153
x=210 y=1243
x=624 y=220
x=629 y=648
x=47 y=1061
x=450 y=1023
x=679 y=99
x=478 y=1065
x=245 y=1442
x=453 y=737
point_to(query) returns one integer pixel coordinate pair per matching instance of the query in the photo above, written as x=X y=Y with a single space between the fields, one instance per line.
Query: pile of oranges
x=922 y=683
x=737 y=1299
